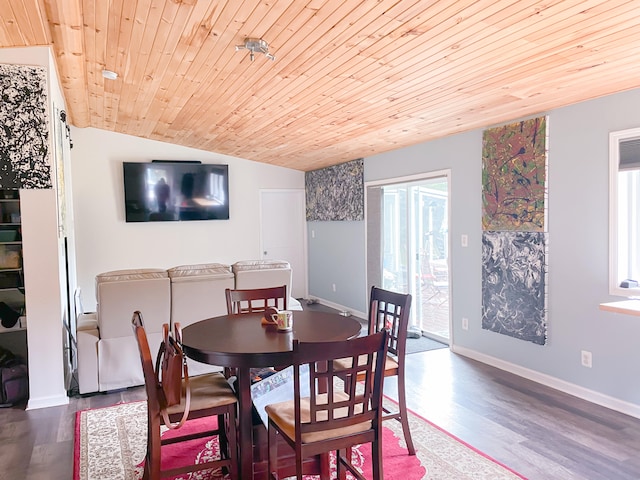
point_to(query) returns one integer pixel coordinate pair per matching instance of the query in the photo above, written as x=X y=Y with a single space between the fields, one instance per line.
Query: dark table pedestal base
x=286 y=462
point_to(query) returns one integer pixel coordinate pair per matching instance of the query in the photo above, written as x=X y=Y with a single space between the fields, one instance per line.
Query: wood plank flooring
x=539 y=432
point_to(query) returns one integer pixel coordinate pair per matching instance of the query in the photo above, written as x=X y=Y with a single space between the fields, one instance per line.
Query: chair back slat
x=390 y=310
x=256 y=299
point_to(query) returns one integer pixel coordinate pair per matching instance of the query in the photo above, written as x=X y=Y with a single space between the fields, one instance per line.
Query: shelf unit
x=11 y=273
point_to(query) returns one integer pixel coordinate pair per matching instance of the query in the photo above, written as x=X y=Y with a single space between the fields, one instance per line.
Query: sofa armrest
x=88 y=339
x=87 y=321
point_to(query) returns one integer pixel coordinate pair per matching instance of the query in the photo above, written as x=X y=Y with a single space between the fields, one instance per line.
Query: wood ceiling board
x=267 y=70
x=26 y=15
x=350 y=78
x=65 y=26
x=498 y=68
x=168 y=33
x=142 y=36
x=159 y=121
x=13 y=31
x=201 y=100
x=338 y=83
x=313 y=67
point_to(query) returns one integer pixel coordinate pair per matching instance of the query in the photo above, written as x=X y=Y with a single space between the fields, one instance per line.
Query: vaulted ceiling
x=350 y=78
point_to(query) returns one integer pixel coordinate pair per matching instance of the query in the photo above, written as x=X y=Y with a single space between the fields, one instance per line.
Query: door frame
x=410 y=179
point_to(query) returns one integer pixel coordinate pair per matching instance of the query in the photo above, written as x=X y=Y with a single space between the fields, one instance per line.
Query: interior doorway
x=408 y=246
x=283 y=233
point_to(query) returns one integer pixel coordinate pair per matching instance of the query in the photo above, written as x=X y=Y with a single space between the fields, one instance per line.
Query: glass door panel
x=415 y=250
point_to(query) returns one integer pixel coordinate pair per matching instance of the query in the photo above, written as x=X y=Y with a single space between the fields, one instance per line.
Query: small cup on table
x=285 y=320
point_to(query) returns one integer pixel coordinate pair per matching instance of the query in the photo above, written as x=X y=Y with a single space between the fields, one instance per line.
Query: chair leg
x=341 y=469
x=298 y=464
x=222 y=436
x=325 y=467
x=146 y=475
x=272 y=453
x=152 y=464
x=404 y=419
x=232 y=442
x=376 y=455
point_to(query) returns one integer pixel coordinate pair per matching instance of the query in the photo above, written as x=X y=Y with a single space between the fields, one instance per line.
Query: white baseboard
x=339 y=307
x=44 y=402
x=553 y=382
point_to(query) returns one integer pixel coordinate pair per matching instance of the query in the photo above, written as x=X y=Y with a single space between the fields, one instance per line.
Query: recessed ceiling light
x=109 y=74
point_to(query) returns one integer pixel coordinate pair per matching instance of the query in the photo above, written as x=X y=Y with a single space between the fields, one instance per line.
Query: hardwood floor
x=537 y=431
x=540 y=432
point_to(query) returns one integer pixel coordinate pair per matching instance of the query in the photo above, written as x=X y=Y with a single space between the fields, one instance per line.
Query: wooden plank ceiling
x=351 y=78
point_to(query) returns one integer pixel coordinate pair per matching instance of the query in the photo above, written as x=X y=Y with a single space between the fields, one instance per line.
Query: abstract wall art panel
x=514 y=271
x=336 y=193
x=514 y=171
x=24 y=136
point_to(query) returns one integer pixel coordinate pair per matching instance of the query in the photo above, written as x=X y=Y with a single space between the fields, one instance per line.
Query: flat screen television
x=175 y=191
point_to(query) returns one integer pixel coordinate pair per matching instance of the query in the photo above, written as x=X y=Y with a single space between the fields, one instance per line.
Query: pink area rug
x=110 y=445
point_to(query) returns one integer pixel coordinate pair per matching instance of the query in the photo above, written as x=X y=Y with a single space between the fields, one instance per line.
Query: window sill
x=629 y=307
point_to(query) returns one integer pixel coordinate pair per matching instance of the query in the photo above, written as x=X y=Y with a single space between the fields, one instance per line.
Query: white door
x=283 y=233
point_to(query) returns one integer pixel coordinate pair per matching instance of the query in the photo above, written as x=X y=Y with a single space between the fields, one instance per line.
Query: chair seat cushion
x=207 y=391
x=390 y=364
x=282 y=414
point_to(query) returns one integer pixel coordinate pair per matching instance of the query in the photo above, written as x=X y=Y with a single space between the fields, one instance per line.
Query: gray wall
x=337 y=256
x=578 y=252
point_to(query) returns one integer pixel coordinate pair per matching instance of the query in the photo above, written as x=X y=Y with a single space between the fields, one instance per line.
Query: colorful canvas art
x=514 y=284
x=514 y=170
x=24 y=137
x=336 y=193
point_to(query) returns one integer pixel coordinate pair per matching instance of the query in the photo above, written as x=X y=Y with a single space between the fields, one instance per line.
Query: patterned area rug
x=110 y=445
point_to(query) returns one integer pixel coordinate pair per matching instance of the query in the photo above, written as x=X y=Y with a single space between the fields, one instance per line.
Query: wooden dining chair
x=344 y=416
x=241 y=301
x=256 y=299
x=391 y=311
x=211 y=396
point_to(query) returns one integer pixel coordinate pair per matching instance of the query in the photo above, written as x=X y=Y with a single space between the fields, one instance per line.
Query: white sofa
x=108 y=357
x=197 y=292
x=264 y=273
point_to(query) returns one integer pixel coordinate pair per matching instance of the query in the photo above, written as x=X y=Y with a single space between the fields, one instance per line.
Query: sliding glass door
x=408 y=246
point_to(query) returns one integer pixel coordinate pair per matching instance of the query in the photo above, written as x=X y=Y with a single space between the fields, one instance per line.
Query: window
x=624 y=212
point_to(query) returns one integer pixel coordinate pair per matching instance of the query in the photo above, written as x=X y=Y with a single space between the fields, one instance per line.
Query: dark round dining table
x=242 y=342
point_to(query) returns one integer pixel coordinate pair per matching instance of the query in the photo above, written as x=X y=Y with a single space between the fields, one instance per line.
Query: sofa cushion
x=120 y=293
x=131 y=274
x=188 y=273
x=259 y=265
x=265 y=273
x=197 y=291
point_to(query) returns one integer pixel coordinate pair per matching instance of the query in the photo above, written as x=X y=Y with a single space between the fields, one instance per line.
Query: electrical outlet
x=464 y=240
x=465 y=323
x=586 y=358
x=334 y=287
